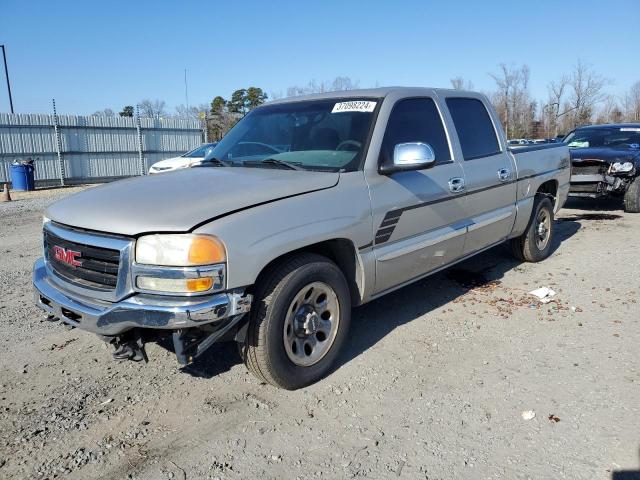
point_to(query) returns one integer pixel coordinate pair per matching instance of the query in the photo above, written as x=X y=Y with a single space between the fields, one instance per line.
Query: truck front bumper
x=136 y=311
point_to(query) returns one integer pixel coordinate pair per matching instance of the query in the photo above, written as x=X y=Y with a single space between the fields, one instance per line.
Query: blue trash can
x=23 y=176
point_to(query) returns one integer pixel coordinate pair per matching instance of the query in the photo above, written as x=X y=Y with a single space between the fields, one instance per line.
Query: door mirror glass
x=411 y=156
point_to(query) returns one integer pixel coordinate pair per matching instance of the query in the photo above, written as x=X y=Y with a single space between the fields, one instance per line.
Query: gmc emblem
x=67 y=256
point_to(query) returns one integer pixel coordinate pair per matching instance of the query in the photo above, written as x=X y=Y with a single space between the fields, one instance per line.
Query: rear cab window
x=415 y=120
x=475 y=129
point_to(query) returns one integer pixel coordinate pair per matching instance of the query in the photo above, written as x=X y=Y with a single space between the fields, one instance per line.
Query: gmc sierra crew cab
x=307 y=207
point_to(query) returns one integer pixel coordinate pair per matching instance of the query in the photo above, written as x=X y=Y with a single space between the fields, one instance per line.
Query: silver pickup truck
x=307 y=207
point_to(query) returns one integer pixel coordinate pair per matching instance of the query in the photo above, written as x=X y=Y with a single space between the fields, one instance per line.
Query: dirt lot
x=433 y=382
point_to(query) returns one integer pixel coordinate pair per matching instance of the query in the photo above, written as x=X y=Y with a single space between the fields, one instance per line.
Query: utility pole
x=6 y=73
x=186 y=90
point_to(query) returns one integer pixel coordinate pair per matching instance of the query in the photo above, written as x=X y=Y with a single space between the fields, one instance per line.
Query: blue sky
x=92 y=55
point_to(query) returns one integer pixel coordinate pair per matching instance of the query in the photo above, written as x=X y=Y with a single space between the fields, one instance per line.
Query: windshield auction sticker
x=354 y=106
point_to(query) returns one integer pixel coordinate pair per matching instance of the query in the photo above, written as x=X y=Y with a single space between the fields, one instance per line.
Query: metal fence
x=69 y=149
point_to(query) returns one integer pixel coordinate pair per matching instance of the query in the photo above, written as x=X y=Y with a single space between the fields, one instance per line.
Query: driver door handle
x=456 y=185
x=504 y=174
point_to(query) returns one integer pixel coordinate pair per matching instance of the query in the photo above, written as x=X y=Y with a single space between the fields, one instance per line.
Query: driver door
x=419 y=215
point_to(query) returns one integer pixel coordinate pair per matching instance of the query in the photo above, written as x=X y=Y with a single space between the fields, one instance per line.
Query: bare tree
x=195 y=112
x=107 y=112
x=631 y=103
x=586 y=92
x=553 y=110
x=152 y=108
x=512 y=100
x=460 y=83
x=610 y=111
x=314 y=86
x=343 y=83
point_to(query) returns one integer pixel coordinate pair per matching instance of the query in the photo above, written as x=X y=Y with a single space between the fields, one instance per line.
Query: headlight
x=45 y=220
x=181 y=264
x=619 y=167
x=183 y=250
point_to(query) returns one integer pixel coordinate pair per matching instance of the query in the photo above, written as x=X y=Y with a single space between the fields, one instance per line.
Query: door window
x=415 y=120
x=474 y=126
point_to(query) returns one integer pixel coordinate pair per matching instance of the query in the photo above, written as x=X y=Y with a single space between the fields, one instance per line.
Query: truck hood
x=180 y=200
x=605 y=155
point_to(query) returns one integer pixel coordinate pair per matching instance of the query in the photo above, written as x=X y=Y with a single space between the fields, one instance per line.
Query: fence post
x=205 y=124
x=58 y=143
x=5 y=170
x=139 y=130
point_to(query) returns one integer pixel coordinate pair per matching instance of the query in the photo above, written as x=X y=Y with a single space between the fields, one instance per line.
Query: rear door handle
x=504 y=174
x=456 y=185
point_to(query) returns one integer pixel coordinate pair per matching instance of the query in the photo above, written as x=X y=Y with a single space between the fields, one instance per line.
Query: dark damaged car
x=605 y=161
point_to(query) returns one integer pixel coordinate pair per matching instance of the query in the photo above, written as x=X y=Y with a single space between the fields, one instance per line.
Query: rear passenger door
x=418 y=215
x=489 y=172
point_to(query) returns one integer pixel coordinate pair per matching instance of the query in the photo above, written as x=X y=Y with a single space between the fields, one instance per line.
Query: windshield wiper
x=215 y=161
x=275 y=161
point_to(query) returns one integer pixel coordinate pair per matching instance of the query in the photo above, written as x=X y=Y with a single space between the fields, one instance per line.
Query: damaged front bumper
x=111 y=319
x=597 y=184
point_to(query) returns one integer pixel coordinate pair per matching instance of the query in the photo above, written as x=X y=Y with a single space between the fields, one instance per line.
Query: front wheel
x=299 y=322
x=534 y=245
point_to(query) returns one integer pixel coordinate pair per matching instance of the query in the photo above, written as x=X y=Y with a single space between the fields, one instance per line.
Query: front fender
x=256 y=236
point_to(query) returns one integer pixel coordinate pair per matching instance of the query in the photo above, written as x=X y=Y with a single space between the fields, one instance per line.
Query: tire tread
x=255 y=348
x=632 y=197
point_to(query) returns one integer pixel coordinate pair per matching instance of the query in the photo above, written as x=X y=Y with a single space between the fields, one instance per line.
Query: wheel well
x=549 y=188
x=342 y=252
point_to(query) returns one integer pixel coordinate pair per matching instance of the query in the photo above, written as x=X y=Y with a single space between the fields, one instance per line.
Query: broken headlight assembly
x=182 y=264
x=621 y=167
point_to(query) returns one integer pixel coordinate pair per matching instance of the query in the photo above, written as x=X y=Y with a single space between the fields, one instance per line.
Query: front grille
x=99 y=266
x=589 y=168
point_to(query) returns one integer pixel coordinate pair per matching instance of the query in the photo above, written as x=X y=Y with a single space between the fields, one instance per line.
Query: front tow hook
x=132 y=350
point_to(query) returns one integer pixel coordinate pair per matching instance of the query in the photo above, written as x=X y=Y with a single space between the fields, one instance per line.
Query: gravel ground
x=433 y=383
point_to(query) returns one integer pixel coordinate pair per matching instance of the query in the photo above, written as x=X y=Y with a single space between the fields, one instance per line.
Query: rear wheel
x=534 y=245
x=632 y=197
x=299 y=322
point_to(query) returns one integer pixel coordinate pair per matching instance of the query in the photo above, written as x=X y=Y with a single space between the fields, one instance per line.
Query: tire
x=529 y=247
x=632 y=197
x=278 y=346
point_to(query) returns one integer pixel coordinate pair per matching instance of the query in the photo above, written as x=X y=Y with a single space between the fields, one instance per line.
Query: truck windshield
x=328 y=135
x=623 y=137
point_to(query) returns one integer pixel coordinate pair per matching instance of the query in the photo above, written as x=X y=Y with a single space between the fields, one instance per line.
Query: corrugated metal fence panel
x=93 y=148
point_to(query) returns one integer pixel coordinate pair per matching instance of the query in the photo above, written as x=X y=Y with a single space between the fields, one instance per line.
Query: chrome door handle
x=456 y=185
x=504 y=174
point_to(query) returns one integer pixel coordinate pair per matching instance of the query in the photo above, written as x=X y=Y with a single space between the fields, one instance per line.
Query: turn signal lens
x=199 y=284
x=171 y=285
x=206 y=251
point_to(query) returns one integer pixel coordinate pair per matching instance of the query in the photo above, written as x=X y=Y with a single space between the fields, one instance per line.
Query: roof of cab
x=610 y=125
x=380 y=92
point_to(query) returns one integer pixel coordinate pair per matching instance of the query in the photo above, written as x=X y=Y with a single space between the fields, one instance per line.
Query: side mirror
x=208 y=153
x=410 y=156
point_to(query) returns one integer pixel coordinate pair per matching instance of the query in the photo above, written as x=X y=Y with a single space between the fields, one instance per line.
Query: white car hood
x=176 y=162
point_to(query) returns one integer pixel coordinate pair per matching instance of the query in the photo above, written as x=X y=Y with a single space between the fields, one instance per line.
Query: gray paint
x=178 y=201
x=261 y=214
